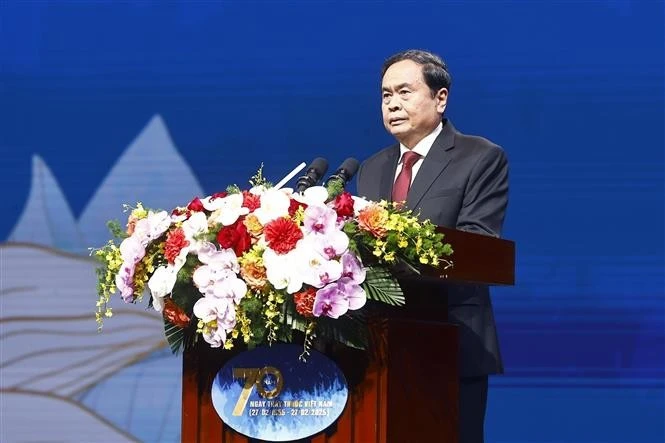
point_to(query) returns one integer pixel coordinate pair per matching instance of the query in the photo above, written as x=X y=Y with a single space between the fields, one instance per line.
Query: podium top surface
x=477 y=259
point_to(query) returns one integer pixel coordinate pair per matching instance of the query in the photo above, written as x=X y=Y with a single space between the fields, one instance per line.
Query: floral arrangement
x=255 y=265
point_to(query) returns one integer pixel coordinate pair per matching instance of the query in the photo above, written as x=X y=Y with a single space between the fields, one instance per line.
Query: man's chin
x=398 y=131
x=401 y=136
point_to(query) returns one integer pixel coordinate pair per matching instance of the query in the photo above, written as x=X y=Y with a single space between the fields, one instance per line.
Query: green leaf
x=334 y=188
x=346 y=330
x=116 y=229
x=253 y=307
x=175 y=336
x=233 y=189
x=292 y=319
x=185 y=295
x=380 y=285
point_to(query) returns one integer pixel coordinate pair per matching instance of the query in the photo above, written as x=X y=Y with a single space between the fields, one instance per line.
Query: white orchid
x=194 y=228
x=224 y=259
x=283 y=270
x=151 y=227
x=317 y=270
x=226 y=210
x=313 y=196
x=158 y=223
x=274 y=204
x=230 y=287
x=258 y=190
x=218 y=275
x=218 y=316
x=161 y=284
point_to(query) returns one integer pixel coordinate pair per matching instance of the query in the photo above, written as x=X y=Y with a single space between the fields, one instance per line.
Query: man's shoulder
x=381 y=154
x=475 y=146
x=476 y=142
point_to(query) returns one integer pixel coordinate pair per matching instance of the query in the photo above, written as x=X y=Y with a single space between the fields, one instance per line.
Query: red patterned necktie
x=403 y=182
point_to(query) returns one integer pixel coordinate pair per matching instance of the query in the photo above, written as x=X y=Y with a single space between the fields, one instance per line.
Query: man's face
x=410 y=112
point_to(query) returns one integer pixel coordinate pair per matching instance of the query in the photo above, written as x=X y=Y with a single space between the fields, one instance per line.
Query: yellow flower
x=253 y=272
x=253 y=225
x=299 y=215
x=137 y=214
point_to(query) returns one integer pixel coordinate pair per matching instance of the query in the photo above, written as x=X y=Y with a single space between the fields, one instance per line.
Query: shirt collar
x=424 y=145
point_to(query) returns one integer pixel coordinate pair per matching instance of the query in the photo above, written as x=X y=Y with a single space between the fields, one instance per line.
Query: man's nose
x=394 y=104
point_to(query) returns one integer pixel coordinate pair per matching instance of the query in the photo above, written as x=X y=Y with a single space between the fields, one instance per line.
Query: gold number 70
x=254 y=377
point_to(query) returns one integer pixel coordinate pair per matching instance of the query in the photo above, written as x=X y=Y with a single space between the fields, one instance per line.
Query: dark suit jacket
x=463 y=184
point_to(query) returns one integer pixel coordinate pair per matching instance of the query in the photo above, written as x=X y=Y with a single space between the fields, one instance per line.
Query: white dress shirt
x=422 y=148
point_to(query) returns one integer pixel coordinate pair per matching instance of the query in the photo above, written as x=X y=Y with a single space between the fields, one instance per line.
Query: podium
x=405 y=389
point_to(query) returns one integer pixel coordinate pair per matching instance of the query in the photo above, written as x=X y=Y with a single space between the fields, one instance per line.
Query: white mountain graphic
x=47 y=218
x=61 y=380
x=151 y=170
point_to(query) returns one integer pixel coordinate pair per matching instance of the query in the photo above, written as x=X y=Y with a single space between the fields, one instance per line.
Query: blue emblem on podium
x=269 y=394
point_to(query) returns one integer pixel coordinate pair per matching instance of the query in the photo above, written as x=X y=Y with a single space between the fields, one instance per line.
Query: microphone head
x=314 y=172
x=349 y=168
x=345 y=172
x=319 y=165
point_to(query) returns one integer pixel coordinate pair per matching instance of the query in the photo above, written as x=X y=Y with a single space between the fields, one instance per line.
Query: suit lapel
x=389 y=166
x=438 y=158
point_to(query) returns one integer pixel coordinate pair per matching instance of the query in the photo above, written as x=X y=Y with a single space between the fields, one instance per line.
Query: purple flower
x=124 y=281
x=330 y=302
x=355 y=295
x=337 y=298
x=319 y=220
x=132 y=250
x=352 y=268
x=331 y=245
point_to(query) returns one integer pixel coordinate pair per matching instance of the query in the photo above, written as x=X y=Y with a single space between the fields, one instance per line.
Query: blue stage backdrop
x=107 y=102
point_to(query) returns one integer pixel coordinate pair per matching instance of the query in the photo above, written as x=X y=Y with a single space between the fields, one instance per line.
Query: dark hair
x=434 y=68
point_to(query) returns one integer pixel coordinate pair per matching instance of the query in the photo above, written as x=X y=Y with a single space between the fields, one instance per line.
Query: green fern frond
x=381 y=286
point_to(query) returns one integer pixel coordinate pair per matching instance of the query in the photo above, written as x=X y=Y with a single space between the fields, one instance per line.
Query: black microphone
x=315 y=171
x=345 y=172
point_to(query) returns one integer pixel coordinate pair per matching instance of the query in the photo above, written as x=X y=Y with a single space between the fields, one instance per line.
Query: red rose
x=218 y=195
x=294 y=205
x=179 y=211
x=344 y=205
x=175 y=314
x=236 y=237
x=175 y=241
x=250 y=201
x=195 y=205
x=305 y=301
x=282 y=235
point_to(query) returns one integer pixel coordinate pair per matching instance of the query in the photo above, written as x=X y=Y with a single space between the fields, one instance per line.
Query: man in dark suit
x=455 y=180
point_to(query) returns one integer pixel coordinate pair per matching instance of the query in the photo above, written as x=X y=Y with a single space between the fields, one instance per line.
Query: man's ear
x=442 y=99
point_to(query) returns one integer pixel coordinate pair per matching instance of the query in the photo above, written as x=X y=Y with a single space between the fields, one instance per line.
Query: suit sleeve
x=486 y=195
